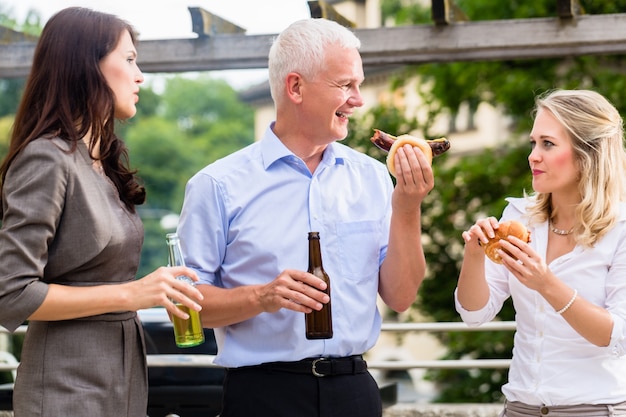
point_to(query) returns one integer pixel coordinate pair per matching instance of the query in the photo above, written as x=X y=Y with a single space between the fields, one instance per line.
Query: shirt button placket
x=315 y=205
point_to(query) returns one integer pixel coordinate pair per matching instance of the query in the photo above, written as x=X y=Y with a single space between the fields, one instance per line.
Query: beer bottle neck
x=315 y=253
x=175 y=253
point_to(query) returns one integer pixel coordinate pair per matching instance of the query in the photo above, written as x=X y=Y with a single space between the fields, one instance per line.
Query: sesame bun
x=413 y=141
x=504 y=230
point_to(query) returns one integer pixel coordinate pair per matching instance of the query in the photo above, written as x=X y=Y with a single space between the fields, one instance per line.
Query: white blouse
x=552 y=364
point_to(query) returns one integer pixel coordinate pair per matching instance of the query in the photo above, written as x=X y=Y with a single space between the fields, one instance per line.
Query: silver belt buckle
x=314 y=369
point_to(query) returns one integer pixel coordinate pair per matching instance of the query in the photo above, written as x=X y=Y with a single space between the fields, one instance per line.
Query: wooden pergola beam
x=445 y=12
x=321 y=8
x=470 y=41
x=568 y=9
x=205 y=23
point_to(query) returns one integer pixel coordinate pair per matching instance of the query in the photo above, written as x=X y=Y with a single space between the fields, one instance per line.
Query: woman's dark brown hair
x=67 y=96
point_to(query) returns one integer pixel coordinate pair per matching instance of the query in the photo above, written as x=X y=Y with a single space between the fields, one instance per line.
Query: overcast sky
x=166 y=19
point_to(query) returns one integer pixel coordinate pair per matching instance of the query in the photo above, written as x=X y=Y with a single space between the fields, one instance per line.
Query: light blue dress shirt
x=246 y=218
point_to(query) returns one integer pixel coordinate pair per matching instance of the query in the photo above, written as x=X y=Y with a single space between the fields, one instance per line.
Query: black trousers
x=261 y=392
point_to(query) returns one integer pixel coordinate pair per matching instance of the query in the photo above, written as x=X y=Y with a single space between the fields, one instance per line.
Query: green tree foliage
x=513 y=83
x=10 y=93
x=194 y=122
x=165 y=157
x=149 y=104
x=11 y=89
x=203 y=104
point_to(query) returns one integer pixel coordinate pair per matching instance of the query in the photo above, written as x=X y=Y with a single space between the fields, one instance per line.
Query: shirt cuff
x=618 y=337
x=472 y=318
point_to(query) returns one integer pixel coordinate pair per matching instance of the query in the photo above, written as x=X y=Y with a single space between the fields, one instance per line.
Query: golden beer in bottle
x=319 y=324
x=188 y=332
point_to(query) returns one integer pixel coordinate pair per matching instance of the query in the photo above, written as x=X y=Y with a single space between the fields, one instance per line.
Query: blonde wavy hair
x=597 y=133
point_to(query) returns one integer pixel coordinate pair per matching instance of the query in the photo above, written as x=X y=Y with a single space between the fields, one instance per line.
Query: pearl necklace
x=560 y=232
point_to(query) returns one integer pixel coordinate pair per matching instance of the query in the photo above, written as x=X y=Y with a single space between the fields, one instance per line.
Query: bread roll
x=504 y=230
x=413 y=141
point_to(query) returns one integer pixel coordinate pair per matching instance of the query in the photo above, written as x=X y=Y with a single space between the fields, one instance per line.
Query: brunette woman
x=71 y=237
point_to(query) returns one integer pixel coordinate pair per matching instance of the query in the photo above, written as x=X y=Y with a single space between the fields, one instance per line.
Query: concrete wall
x=443 y=410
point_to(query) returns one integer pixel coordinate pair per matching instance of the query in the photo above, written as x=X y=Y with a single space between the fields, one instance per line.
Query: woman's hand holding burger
x=488 y=234
x=506 y=243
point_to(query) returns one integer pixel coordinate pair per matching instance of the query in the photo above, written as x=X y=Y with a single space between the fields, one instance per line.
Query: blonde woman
x=568 y=284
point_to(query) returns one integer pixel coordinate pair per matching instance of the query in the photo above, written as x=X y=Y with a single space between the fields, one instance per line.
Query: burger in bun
x=504 y=230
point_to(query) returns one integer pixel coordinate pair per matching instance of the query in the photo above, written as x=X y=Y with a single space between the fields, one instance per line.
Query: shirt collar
x=273 y=150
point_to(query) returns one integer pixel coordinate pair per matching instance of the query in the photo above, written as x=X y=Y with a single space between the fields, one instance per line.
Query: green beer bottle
x=188 y=332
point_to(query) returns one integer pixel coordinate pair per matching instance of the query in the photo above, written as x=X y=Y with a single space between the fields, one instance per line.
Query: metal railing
x=207 y=361
x=434 y=327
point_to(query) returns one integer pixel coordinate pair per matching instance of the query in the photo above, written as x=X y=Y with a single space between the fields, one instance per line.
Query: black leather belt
x=316 y=366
